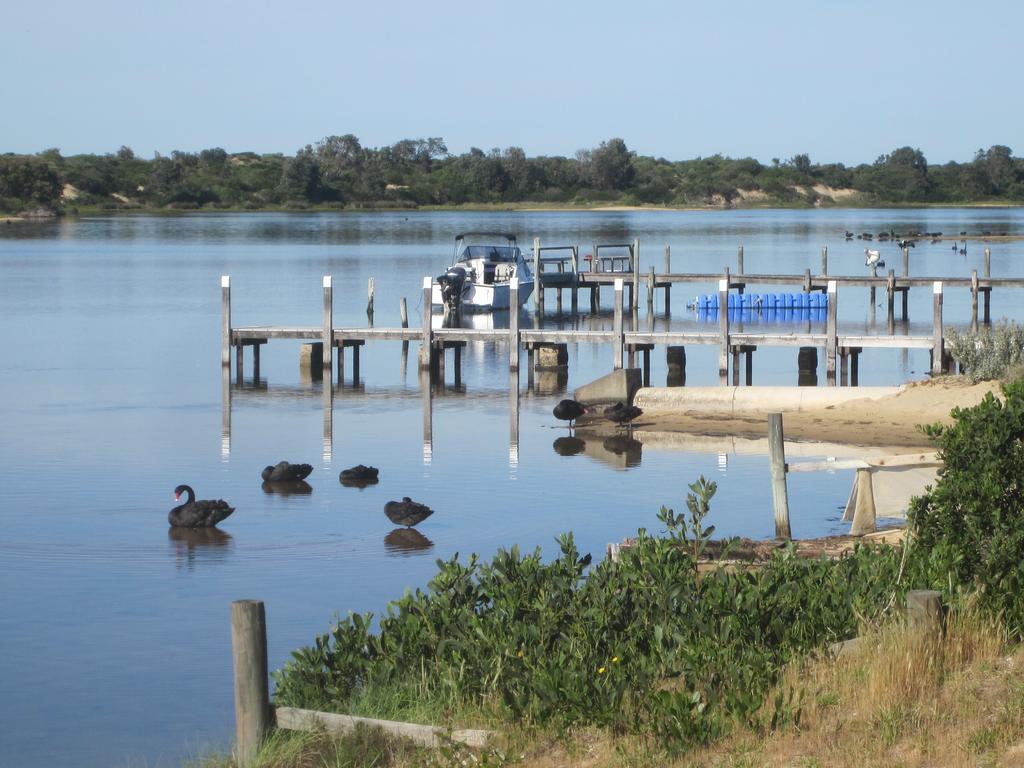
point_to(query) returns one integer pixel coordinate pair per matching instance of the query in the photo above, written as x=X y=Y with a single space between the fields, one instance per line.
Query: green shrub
x=988 y=353
x=968 y=528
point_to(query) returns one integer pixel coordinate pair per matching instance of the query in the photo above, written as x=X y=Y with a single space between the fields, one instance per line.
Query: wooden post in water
x=617 y=326
x=824 y=260
x=225 y=321
x=328 y=333
x=777 y=461
x=252 y=694
x=513 y=324
x=668 y=283
x=723 y=328
x=650 y=291
x=538 y=283
x=369 y=301
x=890 y=289
x=906 y=273
x=974 y=300
x=988 y=294
x=403 y=312
x=574 y=295
x=425 y=345
x=831 y=335
x=739 y=261
x=635 y=295
x=938 y=349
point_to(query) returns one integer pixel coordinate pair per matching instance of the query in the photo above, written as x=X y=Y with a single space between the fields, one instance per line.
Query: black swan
x=569 y=410
x=359 y=476
x=197 y=514
x=623 y=415
x=285 y=471
x=407 y=512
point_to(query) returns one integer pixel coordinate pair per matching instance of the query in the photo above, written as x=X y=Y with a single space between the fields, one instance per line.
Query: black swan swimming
x=407 y=512
x=569 y=410
x=623 y=415
x=204 y=513
x=285 y=471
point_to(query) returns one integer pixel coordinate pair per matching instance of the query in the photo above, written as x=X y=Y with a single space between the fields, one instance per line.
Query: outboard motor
x=452 y=284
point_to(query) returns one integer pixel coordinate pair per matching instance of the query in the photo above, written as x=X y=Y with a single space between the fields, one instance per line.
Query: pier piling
x=252 y=695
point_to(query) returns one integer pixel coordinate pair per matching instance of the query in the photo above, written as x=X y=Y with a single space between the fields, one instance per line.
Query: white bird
x=872 y=258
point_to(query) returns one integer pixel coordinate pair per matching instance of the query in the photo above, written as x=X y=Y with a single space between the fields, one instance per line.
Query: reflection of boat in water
x=406 y=541
x=287 y=487
x=478 y=280
x=568 y=446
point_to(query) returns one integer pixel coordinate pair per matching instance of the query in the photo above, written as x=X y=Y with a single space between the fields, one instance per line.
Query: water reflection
x=568 y=446
x=405 y=541
x=625 y=447
x=194 y=544
x=357 y=482
x=288 y=487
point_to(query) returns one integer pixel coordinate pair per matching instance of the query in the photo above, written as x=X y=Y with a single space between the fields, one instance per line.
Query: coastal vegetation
x=339 y=172
x=658 y=652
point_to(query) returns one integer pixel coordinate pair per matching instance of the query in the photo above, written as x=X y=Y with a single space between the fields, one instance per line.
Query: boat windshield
x=494 y=254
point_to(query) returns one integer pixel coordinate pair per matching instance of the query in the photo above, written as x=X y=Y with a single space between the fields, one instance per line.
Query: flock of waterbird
x=873 y=257
x=285 y=477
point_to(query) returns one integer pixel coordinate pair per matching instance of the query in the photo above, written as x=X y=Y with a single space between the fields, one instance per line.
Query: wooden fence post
x=328 y=333
x=513 y=324
x=938 y=348
x=252 y=694
x=777 y=461
x=617 y=326
x=225 y=321
x=924 y=610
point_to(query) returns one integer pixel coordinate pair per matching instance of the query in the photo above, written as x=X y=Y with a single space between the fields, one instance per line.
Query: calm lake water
x=114 y=632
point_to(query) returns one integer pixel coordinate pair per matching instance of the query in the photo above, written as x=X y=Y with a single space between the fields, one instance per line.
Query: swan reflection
x=405 y=541
x=191 y=544
x=625 y=446
x=287 y=487
x=568 y=446
x=355 y=482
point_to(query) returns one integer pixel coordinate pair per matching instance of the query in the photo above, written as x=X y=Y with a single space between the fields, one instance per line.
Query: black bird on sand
x=285 y=471
x=359 y=476
x=407 y=512
x=569 y=410
x=623 y=415
x=204 y=513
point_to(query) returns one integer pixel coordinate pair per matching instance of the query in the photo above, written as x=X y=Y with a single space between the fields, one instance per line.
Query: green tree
x=611 y=165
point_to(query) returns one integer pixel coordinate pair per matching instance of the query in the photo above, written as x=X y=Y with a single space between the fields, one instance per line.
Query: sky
x=840 y=81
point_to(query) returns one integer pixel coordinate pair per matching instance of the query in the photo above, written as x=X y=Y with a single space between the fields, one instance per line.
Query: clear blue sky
x=841 y=81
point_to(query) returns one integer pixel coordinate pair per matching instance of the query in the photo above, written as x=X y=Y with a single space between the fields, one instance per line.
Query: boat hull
x=486 y=298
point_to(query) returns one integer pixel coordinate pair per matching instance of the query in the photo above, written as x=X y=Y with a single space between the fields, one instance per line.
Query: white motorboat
x=478 y=280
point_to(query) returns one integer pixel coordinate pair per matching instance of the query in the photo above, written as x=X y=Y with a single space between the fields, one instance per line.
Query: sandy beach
x=892 y=421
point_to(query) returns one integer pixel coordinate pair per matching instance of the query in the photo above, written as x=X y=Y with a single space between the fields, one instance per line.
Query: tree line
x=339 y=172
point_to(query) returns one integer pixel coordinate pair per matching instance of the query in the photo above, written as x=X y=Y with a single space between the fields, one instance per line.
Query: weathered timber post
x=225 y=321
x=252 y=694
x=807 y=280
x=668 y=283
x=513 y=324
x=538 y=283
x=988 y=292
x=777 y=461
x=425 y=340
x=675 y=357
x=574 y=295
x=617 y=326
x=650 y=290
x=924 y=611
x=634 y=293
x=831 y=335
x=595 y=289
x=328 y=334
x=890 y=289
x=906 y=273
x=723 y=328
x=739 y=261
x=864 y=510
x=403 y=312
x=824 y=260
x=974 y=300
x=938 y=349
